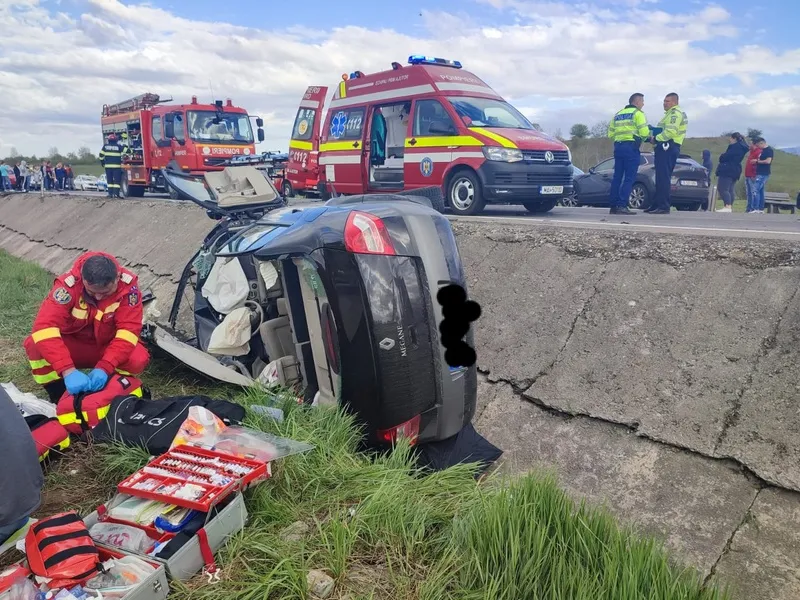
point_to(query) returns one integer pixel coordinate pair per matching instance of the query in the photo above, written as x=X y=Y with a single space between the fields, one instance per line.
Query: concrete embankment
x=655 y=373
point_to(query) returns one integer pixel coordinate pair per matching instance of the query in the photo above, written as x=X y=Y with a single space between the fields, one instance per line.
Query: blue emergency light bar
x=418 y=59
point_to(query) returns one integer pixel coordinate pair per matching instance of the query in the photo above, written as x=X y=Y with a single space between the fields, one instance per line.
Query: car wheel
x=571 y=200
x=287 y=189
x=540 y=207
x=123 y=187
x=464 y=194
x=639 y=196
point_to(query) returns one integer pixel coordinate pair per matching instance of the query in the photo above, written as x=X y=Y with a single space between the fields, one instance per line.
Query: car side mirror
x=259 y=122
x=592 y=171
x=169 y=127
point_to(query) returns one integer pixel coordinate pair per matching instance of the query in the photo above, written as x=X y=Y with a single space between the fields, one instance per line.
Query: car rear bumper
x=521 y=181
x=687 y=194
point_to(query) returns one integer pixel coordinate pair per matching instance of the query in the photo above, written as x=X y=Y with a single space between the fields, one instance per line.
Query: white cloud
x=564 y=62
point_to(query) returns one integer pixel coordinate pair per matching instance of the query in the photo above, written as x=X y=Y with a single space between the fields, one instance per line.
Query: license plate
x=551 y=189
x=689 y=182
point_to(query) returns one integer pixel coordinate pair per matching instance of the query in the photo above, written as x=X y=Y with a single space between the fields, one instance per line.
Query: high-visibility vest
x=628 y=125
x=673 y=124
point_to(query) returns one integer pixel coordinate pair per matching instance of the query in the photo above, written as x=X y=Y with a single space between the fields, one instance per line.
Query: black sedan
x=689 y=184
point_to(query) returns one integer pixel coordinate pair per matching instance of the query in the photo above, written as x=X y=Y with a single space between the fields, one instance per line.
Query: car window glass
x=431 y=118
x=157 y=128
x=606 y=165
x=347 y=124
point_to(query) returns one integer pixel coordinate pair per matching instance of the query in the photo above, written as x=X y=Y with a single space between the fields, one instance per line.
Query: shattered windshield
x=206 y=126
x=486 y=112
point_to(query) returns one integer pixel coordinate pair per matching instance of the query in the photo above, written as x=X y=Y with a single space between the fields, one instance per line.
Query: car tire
x=539 y=208
x=287 y=190
x=639 y=196
x=464 y=194
x=124 y=189
x=570 y=201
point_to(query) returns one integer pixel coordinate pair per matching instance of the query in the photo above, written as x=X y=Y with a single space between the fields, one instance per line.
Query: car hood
x=525 y=139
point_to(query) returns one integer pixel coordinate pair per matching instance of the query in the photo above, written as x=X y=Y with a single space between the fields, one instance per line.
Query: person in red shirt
x=750 y=175
x=91 y=319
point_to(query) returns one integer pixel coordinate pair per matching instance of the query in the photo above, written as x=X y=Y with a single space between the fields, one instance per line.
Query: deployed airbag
x=226 y=287
x=232 y=336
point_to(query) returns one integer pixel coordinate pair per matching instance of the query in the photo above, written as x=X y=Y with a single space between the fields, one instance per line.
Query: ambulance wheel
x=540 y=207
x=287 y=189
x=464 y=194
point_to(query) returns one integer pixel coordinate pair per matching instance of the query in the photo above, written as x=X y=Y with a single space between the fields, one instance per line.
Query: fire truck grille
x=214 y=162
x=532 y=179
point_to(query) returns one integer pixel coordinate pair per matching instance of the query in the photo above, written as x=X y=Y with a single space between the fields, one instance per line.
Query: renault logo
x=387 y=343
x=548 y=156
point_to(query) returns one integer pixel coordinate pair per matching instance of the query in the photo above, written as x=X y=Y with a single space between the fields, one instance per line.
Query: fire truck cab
x=429 y=123
x=193 y=137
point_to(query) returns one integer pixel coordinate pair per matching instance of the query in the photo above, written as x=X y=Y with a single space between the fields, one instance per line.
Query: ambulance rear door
x=341 y=147
x=302 y=168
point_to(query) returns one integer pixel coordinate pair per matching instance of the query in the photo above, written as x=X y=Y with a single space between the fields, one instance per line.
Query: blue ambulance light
x=418 y=59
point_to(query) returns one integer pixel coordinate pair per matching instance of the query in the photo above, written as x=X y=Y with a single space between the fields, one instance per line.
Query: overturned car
x=337 y=300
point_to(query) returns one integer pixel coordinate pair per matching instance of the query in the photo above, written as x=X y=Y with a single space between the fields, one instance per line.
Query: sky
x=735 y=63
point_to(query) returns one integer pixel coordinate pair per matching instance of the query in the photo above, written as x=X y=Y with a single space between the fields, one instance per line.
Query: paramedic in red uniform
x=91 y=319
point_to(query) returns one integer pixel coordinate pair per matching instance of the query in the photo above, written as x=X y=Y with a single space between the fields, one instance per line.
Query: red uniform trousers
x=85 y=354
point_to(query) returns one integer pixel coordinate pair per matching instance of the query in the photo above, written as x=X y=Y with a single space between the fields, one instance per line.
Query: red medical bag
x=60 y=548
x=82 y=412
x=48 y=434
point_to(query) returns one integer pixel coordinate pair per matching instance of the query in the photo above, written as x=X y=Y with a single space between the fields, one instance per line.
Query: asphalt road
x=767 y=226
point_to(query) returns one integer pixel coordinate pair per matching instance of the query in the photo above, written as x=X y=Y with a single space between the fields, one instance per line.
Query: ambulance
x=426 y=124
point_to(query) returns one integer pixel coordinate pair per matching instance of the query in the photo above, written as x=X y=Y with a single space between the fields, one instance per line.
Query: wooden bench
x=775 y=201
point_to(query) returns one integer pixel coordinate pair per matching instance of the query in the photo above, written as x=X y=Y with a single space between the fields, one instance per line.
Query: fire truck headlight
x=502 y=154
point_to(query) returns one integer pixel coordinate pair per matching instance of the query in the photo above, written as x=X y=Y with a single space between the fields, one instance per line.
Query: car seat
x=276 y=334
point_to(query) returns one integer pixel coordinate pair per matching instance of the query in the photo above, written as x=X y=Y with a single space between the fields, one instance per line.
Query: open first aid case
x=204 y=487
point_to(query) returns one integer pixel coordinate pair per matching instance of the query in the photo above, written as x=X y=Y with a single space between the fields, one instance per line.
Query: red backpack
x=48 y=434
x=83 y=412
x=60 y=548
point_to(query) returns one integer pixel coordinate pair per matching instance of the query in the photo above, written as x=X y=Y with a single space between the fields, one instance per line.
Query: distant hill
x=794 y=150
x=785 y=168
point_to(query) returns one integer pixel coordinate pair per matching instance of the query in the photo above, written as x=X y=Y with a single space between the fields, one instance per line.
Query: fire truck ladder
x=138 y=103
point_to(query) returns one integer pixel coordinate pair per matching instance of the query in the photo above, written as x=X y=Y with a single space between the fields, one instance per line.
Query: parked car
x=102 y=184
x=86 y=183
x=689 y=184
x=338 y=300
x=572 y=200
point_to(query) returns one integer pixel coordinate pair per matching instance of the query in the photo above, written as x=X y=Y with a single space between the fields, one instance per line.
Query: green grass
x=785 y=168
x=379 y=526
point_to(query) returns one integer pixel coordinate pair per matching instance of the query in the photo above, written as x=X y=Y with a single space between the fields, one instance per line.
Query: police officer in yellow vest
x=628 y=129
x=111 y=156
x=667 y=139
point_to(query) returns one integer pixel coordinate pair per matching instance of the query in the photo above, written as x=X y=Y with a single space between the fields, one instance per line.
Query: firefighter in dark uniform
x=667 y=139
x=111 y=157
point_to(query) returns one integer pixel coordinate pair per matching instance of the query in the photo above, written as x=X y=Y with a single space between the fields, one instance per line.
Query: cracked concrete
x=654 y=373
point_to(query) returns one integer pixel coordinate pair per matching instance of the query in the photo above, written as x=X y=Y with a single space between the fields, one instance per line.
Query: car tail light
x=409 y=429
x=366 y=234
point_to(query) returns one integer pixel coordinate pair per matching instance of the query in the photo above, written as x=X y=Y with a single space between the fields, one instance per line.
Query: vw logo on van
x=548 y=156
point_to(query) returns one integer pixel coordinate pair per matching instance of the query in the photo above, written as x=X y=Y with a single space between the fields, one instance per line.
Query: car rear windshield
x=487 y=112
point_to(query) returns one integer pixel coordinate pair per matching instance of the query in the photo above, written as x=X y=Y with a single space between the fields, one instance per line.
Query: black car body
x=351 y=315
x=689 y=184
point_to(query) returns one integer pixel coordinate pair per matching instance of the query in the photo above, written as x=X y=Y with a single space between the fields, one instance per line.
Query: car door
x=594 y=186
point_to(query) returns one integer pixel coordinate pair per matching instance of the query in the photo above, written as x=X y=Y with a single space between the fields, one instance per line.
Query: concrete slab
x=764 y=557
x=690 y=502
x=764 y=431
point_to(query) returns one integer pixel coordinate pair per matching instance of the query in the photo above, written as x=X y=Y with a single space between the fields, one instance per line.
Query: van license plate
x=551 y=189
x=689 y=182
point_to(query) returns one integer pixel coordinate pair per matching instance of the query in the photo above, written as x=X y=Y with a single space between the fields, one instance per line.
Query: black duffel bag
x=153 y=424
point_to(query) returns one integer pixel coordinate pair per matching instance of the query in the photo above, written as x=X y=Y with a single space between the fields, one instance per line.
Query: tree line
x=84 y=156
x=580 y=131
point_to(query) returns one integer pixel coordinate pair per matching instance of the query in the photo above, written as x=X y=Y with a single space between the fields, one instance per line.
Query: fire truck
x=193 y=138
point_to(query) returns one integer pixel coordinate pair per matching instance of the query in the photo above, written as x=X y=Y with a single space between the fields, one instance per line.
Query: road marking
x=612 y=224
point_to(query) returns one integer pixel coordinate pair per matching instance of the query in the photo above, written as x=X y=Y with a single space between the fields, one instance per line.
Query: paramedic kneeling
x=91 y=319
x=21 y=478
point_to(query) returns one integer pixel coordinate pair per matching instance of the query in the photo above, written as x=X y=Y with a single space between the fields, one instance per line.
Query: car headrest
x=283 y=307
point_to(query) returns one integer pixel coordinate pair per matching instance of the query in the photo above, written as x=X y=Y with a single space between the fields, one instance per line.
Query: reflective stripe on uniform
x=47 y=378
x=71 y=418
x=46 y=334
x=39 y=364
x=109 y=309
x=628 y=125
x=674 y=125
x=80 y=314
x=443 y=141
x=121 y=372
x=128 y=336
x=504 y=142
x=295 y=145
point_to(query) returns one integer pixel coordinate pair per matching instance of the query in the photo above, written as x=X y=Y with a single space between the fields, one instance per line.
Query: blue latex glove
x=98 y=379
x=77 y=382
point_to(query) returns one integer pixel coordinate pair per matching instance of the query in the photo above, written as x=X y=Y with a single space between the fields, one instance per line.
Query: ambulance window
x=157 y=129
x=304 y=124
x=430 y=118
x=347 y=124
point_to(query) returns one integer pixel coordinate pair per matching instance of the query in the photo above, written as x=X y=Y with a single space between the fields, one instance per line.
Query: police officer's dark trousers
x=666 y=155
x=626 y=166
x=113 y=179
